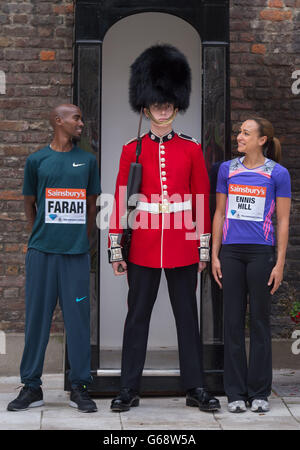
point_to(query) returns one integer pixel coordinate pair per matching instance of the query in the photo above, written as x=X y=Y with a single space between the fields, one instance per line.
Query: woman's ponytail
x=276 y=150
x=272 y=147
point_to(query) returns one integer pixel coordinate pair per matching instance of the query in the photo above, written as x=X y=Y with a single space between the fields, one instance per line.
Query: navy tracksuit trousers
x=50 y=277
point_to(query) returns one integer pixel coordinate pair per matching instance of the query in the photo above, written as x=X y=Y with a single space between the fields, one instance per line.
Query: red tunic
x=173 y=171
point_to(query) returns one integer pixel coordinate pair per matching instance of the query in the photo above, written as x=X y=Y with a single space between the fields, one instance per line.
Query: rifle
x=133 y=188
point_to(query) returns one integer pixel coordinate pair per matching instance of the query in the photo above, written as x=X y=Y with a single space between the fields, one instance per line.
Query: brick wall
x=36 y=56
x=265 y=51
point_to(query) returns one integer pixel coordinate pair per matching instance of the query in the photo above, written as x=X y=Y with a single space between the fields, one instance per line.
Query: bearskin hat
x=161 y=74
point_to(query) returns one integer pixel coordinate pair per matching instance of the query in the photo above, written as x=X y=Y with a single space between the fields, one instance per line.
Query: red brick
x=275 y=4
x=45 y=31
x=12 y=270
x=275 y=15
x=11 y=293
x=235 y=104
x=259 y=49
x=12 y=248
x=20 y=18
x=5 y=41
x=237 y=93
x=63 y=9
x=9 y=281
x=10 y=195
x=47 y=55
x=233 y=82
x=239 y=47
x=246 y=37
x=245 y=82
x=13 y=125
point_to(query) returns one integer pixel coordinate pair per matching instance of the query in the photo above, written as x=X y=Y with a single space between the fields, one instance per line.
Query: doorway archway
x=96 y=22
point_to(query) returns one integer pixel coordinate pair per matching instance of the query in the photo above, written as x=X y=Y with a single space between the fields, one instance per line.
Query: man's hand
x=91 y=213
x=201 y=266
x=119 y=268
x=30 y=210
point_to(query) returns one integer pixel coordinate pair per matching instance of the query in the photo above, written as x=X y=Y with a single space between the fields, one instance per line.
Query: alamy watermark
x=2 y=343
x=114 y=213
x=296 y=83
x=2 y=82
x=295 y=348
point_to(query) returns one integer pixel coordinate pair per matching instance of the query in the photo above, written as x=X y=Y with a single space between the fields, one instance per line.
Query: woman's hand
x=119 y=270
x=216 y=270
x=283 y=206
x=276 y=278
x=218 y=222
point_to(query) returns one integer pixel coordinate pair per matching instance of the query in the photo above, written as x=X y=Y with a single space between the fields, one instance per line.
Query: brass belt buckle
x=163 y=208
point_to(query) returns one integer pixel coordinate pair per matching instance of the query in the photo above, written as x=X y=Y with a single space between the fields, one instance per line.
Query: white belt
x=156 y=208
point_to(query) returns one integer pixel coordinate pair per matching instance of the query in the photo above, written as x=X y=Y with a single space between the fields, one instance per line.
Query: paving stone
x=286 y=383
x=167 y=414
x=20 y=420
x=67 y=418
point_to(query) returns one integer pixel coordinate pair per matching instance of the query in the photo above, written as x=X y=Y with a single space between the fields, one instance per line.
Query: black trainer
x=28 y=398
x=80 y=399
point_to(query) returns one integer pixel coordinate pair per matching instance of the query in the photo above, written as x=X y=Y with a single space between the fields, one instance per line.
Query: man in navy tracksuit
x=61 y=183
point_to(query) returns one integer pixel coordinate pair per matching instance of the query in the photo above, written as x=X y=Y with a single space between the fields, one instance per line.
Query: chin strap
x=164 y=122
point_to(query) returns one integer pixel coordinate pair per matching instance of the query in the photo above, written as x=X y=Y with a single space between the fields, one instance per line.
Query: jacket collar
x=165 y=138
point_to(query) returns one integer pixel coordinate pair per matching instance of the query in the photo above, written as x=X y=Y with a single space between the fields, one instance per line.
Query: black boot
x=201 y=398
x=126 y=398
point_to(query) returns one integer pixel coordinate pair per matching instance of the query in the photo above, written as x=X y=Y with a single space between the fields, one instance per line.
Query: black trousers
x=246 y=270
x=143 y=287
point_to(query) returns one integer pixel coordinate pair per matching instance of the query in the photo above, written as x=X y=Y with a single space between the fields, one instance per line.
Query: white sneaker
x=260 y=406
x=237 y=407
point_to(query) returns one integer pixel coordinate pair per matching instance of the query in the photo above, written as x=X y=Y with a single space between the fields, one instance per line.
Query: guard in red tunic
x=170 y=224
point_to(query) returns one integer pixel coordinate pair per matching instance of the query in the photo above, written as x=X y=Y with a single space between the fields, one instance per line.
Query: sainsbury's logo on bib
x=257 y=191
x=65 y=193
x=65 y=206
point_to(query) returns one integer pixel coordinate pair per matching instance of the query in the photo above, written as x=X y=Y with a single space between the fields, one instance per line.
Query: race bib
x=246 y=202
x=65 y=206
